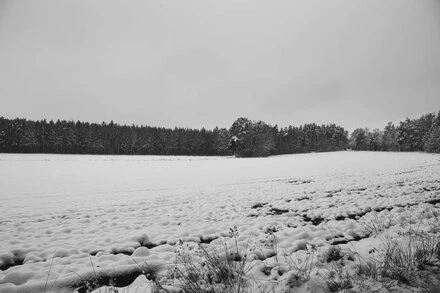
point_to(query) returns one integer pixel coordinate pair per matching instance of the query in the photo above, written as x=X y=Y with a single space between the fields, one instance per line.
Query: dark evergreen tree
x=432 y=143
x=390 y=138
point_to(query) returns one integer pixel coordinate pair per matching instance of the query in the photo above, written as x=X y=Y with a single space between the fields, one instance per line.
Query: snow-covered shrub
x=252 y=138
x=217 y=269
x=336 y=277
x=301 y=265
x=402 y=259
x=378 y=223
x=333 y=253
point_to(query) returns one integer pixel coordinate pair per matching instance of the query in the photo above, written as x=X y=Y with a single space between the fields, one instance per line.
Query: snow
x=65 y=217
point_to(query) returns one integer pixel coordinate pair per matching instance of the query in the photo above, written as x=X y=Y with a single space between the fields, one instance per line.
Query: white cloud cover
x=204 y=63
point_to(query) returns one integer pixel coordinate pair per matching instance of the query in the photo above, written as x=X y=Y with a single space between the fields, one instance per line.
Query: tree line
x=245 y=138
x=421 y=134
x=69 y=137
x=258 y=139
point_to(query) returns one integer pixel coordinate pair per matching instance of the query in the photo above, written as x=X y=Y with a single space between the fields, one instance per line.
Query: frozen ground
x=64 y=218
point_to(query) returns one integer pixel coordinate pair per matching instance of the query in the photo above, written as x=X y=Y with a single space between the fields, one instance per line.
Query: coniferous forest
x=245 y=138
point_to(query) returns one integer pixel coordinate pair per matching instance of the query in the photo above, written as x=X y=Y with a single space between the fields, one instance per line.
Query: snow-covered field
x=64 y=218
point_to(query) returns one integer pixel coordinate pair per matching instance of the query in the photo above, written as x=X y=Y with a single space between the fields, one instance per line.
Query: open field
x=68 y=219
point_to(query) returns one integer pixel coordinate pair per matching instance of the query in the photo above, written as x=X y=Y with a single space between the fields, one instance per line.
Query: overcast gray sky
x=202 y=63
